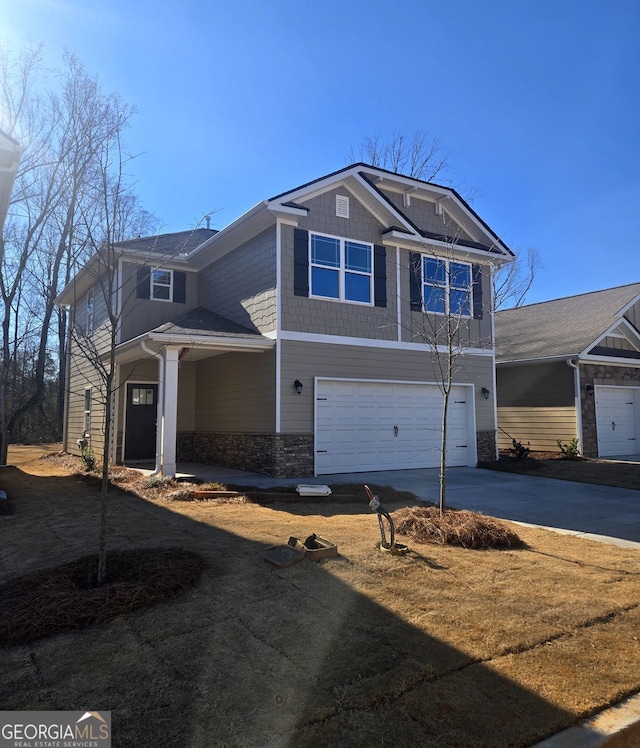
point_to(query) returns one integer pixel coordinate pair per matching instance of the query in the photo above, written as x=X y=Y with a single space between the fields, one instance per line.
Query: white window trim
x=87 y=411
x=170 y=286
x=90 y=316
x=447 y=287
x=341 y=270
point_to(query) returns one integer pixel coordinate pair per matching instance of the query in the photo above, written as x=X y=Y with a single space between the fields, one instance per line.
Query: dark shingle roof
x=202 y=320
x=561 y=327
x=172 y=244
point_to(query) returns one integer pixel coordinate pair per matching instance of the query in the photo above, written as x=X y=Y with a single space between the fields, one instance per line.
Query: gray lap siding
x=305 y=361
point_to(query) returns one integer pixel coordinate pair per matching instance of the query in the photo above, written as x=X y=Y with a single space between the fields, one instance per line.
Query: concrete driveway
x=578 y=508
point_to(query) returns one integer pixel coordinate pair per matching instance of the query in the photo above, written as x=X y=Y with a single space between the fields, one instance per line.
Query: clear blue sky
x=537 y=103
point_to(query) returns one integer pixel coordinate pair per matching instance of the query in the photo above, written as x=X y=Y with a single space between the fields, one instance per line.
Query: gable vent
x=342 y=206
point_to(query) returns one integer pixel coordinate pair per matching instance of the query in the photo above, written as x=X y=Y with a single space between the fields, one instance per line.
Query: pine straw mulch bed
x=63 y=598
x=458 y=527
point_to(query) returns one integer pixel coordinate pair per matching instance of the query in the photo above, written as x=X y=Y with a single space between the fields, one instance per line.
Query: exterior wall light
x=485 y=393
x=298 y=385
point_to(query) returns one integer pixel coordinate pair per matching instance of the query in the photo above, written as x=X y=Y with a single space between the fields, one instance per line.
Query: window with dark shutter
x=477 y=291
x=380 y=275
x=415 y=281
x=300 y=262
x=143 y=287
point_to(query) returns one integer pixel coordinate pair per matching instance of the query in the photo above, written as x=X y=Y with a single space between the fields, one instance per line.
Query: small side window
x=90 y=310
x=87 y=410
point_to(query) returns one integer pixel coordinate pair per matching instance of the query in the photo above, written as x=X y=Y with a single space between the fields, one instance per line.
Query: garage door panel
x=355 y=423
x=617 y=411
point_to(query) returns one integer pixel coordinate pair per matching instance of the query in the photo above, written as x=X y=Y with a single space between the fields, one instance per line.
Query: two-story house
x=292 y=342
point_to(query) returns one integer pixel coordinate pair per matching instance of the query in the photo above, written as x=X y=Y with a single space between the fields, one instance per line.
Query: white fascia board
x=286 y=211
x=626 y=330
x=306 y=337
x=230 y=229
x=541 y=360
x=611 y=360
x=210 y=341
x=157 y=259
x=390 y=209
x=626 y=307
x=400 y=239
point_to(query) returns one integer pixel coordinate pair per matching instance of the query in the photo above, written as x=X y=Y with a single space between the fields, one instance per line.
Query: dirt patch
x=64 y=598
x=581 y=470
x=442 y=647
x=454 y=527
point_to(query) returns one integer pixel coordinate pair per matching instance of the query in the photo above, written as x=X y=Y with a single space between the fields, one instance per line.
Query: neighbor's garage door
x=382 y=426
x=617 y=410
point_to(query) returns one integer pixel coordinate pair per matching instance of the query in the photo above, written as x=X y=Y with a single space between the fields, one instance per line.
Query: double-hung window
x=161 y=285
x=341 y=269
x=446 y=286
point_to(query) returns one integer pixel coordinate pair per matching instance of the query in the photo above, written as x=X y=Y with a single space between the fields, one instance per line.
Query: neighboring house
x=570 y=368
x=10 y=155
x=289 y=342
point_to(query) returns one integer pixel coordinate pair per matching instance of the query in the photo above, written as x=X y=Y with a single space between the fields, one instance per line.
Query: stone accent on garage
x=590 y=376
x=279 y=455
x=486 y=445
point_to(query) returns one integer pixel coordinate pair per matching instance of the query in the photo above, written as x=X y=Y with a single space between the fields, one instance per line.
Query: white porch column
x=170 y=407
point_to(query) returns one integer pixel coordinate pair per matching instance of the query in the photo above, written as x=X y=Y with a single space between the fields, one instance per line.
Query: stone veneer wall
x=591 y=375
x=486 y=445
x=279 y=455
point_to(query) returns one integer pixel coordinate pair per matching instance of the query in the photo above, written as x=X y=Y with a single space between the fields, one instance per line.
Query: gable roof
x=364 y=182
x=202 y=320
x=561 y=328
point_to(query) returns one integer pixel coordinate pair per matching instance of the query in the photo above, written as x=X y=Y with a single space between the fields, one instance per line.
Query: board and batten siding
x=236 y=393
x=241 y=286
x=142 y=315
x=536 y=405
x=305 y=361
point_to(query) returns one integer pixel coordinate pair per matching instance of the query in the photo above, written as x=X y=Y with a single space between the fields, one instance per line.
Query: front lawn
x=441 y=647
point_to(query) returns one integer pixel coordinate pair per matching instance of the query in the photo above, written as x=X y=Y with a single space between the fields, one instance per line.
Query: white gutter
x=160 y=418
x=578 y=399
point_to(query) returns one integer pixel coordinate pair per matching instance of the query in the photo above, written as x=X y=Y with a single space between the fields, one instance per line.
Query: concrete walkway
x=579 y=508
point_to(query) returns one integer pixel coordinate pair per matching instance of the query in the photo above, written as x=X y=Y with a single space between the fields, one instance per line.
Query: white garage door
x=617 y=410
x=363 y=426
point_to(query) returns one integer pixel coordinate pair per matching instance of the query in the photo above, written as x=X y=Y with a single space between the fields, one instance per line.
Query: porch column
x=170 y=407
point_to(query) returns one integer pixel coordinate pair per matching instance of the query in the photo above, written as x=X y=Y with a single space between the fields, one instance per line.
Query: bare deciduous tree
x=416 y=155
x=512 y=283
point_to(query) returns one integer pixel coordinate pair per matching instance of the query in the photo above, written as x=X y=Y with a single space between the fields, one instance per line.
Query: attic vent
x=342 y=206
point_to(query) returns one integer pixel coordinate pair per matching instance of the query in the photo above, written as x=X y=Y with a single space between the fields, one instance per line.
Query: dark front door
x=142 y=408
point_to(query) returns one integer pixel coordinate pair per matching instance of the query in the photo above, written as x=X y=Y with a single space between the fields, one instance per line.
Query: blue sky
x=536 y=102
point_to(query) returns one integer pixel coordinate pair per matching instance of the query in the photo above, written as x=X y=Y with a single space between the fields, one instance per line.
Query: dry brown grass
x=444 y=647
x=454 y=527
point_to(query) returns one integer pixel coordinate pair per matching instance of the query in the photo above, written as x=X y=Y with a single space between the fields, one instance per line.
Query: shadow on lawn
x=253 y=655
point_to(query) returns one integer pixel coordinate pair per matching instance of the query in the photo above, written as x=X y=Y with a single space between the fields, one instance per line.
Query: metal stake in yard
x=398 y=549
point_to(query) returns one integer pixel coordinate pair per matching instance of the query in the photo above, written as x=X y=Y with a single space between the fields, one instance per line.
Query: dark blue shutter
x=380 y=275
x=179 y=287
x=415 y=281
x=300 y=262
x=143 y=287
x=477 y=291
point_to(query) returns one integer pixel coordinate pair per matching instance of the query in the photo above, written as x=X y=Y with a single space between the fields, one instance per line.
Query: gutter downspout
x=578 y=399
x=160 y=417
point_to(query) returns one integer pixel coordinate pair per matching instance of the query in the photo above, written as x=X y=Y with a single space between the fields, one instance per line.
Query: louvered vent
x=342 y=206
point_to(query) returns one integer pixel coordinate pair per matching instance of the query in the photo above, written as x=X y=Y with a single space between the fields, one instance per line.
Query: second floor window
x=341 y=269
x=446 y=286
x=161 y=286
